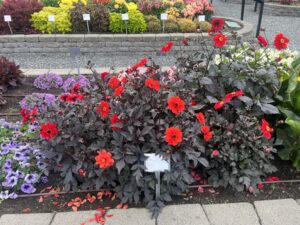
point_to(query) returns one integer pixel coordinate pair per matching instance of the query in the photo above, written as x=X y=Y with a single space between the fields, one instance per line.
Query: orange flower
x=266 y=129
x=104 y=159
x=103 y=109
x=176 y=105
x=201 y=118
x=152 y=84
x=219 y=105
x=173 y=136
x=113 y=82
x=119 y=91
x=220 y=40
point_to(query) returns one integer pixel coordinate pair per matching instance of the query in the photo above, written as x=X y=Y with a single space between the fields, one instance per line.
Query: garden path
x=271 y=212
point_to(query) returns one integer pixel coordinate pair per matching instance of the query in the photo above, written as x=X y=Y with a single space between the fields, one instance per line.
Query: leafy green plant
x=289 y=97
x=136 y=22
x=10 y=74
x=62 y=22
x=153 y=24
x=186 y=25
x=52 y=3
x=99 y=17
x=20 y=10
x=204 y=26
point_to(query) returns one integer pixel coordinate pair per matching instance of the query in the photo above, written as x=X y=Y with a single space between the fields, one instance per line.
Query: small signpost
x=157 y=164
x=201 y=18
x=163 y=18
x=51 y=18
x=125 y=17
x=87 y=18
x=7 y=19
x=75 y=54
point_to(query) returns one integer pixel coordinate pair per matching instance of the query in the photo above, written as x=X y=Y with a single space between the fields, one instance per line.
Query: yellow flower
x=116 y=6
x=120 y=2
x=298 y=78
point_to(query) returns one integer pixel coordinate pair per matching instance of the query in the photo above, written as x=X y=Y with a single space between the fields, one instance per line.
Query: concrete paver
x=189 y=214
x=231 y=214
x=278 y=212
x=26 y=219
x=120 y=217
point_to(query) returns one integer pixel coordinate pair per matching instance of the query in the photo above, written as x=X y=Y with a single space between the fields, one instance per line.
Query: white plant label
x=86 y=17
x=164 y=16
x=51 y=18
x=125 y=16
x=201 y=18
x=7 y=18
x=155 y=163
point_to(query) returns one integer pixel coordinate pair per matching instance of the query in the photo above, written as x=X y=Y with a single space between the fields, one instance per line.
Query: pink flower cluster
x=197 y=7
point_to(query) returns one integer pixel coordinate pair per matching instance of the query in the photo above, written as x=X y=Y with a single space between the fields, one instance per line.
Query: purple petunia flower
x=10 y=182
x=44 y=179
x=27 y=188
x=48 y=81
x=31 y=178
x=6 y=195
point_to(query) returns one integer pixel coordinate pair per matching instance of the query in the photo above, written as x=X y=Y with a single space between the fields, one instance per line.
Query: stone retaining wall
x=281 y=10
x=102 y=43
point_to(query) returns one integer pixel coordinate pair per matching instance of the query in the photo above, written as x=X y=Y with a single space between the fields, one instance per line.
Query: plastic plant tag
x=7 y=18
x=201 y=18
x=86 y=17
x=232 y=24
x=164 y=16
x=155 y=163
x=125 y=16
x=51 y=18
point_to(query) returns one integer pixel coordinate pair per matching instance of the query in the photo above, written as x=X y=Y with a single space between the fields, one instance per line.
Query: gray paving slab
x=278 y=212
x=190 y=214
x=26 y=219
x=231 y=214
x=120 y=217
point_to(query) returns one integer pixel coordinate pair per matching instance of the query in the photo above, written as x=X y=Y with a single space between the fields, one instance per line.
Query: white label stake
x=125 y=17
x=7 y=19
x=87 y=18
x=163 y=18
x=201 y=18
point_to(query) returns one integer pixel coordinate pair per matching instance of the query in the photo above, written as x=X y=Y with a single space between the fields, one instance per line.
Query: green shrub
x=52 y=3
x=153 y=24
x=171 y=27
x=136 y=22
x=204 y=26
x=62 y=20
x=99 y=17
x=186 y=25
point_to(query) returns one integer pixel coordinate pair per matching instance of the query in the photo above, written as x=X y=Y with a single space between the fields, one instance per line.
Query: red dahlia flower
x=280 y=41
x=208 y=136
x=185 y=42
x=48 y=130
x=260 y=186
x=219 y=105
x=217 y=24
x=273 y=178
x=119 y=91
x=113 y=82
x=176 y=105
x=262 y=41
x=201 y=118
x=115 y=119
x=76 y=88
x=266 y=129
x=103 y=75
x=141 y=63
x=220 y=40
x=173 y=136
x=167 y=47
x=104 y=159
x=29 y=116
x=103 y=109
x=152 y=84
x=205 y=129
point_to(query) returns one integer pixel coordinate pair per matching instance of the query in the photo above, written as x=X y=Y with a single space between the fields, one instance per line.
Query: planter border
x=275 y=9
x=105 y=43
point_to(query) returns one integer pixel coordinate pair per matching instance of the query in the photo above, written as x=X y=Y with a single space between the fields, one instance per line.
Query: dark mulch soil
x=210 y=196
